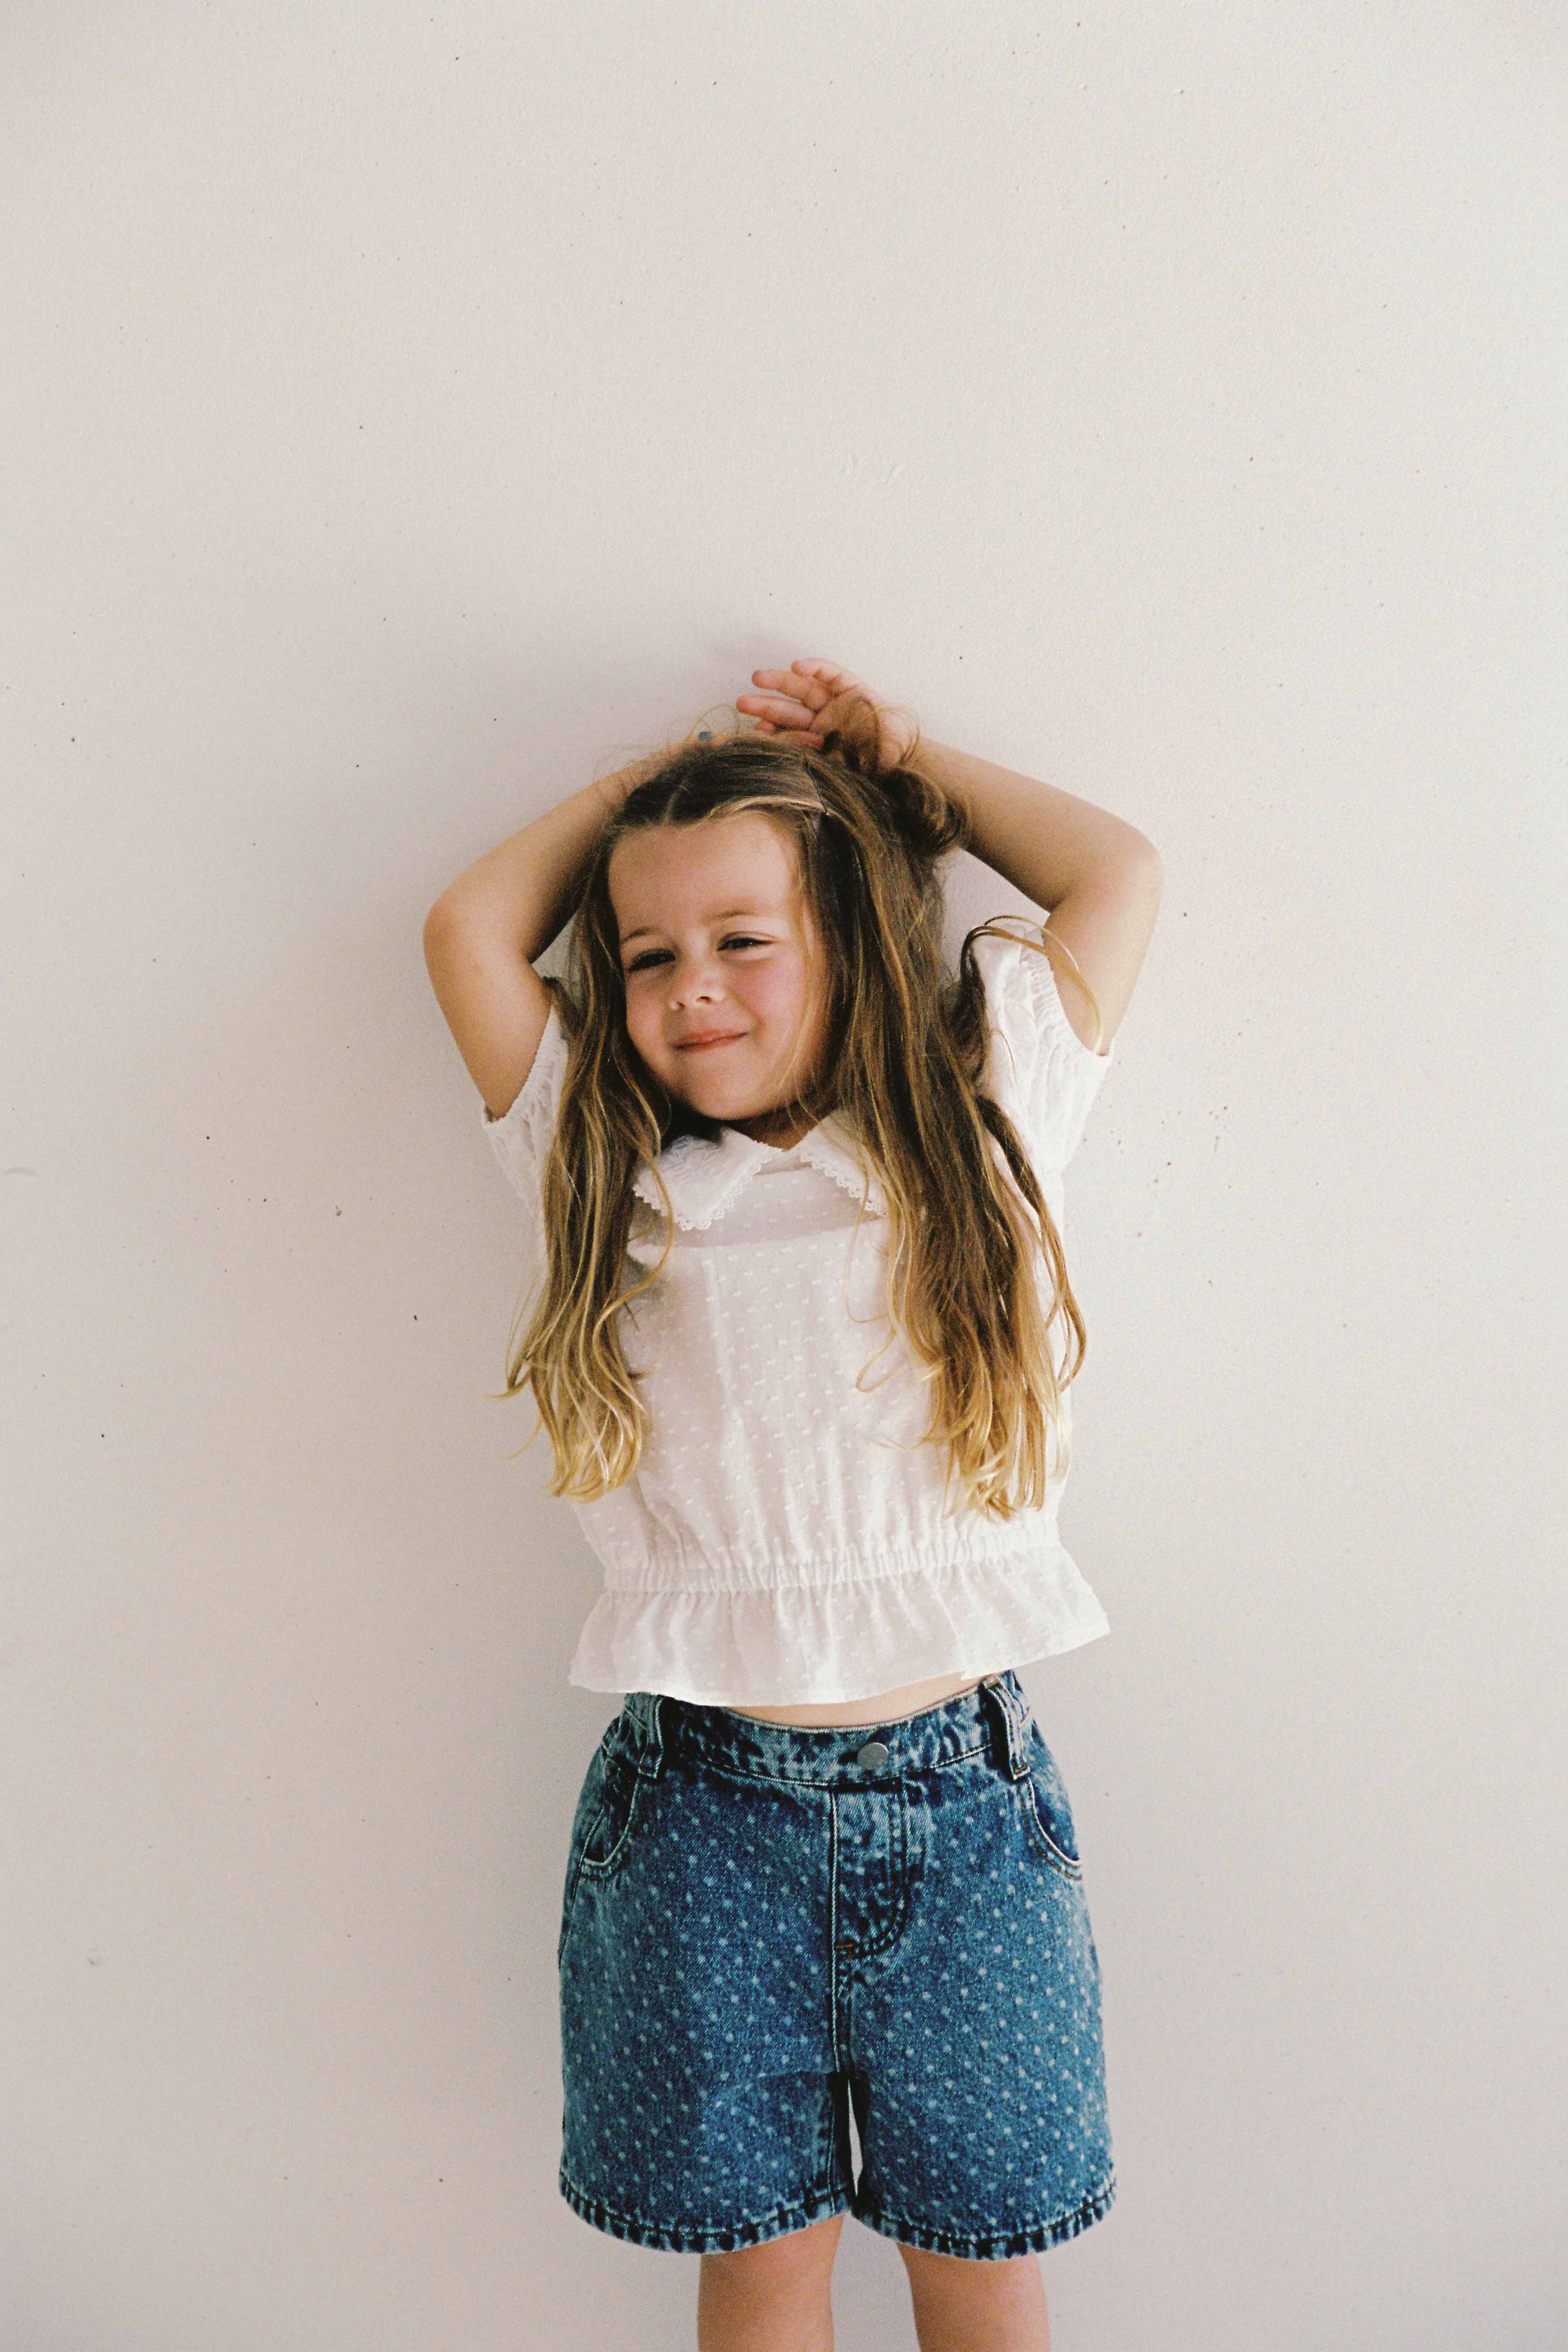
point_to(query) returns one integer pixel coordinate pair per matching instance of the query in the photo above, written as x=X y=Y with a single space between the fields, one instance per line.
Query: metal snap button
x=872 y=1757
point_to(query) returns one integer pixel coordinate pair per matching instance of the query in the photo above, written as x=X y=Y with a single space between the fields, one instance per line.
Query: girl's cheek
x=641 y=1028
x=773 y=992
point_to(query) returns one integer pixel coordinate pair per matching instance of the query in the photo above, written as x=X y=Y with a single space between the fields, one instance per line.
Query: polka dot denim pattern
x=764 y=1925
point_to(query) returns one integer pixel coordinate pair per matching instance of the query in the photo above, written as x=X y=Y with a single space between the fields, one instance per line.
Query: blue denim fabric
x=762 y=1923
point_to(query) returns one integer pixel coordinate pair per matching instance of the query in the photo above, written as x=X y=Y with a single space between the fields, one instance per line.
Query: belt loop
x=1013 y=1713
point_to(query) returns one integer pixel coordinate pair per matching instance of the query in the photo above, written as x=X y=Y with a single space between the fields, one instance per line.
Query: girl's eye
x=735 y=940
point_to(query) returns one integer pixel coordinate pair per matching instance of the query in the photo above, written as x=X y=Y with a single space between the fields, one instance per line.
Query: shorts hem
x=705 y=2236
x=1000 y=2244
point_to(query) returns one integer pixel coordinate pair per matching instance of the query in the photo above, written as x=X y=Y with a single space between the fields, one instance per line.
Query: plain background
x=416 y=411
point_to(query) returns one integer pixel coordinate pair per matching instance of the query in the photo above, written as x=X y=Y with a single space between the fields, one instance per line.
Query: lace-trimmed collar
x=703 y=1178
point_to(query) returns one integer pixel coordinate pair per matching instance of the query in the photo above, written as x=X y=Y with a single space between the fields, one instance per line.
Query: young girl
x=797 y=1196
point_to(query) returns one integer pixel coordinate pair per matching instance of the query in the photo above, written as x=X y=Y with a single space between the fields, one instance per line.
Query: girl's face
x=715 y=935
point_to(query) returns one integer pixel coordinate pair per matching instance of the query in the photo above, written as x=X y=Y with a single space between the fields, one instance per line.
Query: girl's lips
x=701 y=1044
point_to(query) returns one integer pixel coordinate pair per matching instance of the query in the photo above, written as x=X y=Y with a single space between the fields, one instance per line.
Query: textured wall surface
x=415 y=411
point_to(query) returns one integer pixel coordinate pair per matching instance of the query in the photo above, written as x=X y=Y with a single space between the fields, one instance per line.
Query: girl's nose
x=699 y=983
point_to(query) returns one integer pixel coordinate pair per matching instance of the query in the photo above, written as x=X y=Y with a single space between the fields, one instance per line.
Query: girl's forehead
x=706 y=870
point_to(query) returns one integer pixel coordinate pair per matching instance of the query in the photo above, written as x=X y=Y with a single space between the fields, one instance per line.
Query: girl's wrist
x=614 y=788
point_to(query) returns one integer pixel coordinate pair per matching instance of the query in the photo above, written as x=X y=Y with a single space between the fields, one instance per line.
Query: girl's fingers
x=783 y=709
x=794 y=684
x=779 y=714
x=816 y=683
x=836 y=680
x=797 y=703
x=823 y=676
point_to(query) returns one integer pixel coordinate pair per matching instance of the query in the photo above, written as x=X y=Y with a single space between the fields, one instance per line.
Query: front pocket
x=584 y=1819
x=609 y=1807
x=609 y=1836
x=1047 y=1810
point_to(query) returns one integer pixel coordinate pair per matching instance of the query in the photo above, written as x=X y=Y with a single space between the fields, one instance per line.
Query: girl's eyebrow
x=755 y=914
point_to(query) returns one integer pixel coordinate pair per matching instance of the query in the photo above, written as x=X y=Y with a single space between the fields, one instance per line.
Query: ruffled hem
x=822 y=1644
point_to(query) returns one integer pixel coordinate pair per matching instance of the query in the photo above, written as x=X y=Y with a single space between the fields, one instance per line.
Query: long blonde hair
x=903 y=1055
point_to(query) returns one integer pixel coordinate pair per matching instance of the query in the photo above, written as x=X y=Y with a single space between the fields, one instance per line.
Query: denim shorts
x=762 y=1925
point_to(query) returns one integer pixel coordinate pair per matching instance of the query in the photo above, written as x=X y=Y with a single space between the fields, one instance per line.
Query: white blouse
x=775 y=1545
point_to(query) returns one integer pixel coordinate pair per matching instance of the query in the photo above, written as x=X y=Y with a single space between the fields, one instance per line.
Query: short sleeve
x=1038 y=1068
x=521 y=1137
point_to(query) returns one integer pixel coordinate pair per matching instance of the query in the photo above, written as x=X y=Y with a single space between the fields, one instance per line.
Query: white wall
x=415 y=409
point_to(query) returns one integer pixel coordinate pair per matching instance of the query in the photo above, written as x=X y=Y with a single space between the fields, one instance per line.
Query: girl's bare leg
x=970 y=2307
x=775 y=2297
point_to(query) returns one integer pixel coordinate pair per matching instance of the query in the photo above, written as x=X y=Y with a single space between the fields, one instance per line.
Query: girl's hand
x=804 y=702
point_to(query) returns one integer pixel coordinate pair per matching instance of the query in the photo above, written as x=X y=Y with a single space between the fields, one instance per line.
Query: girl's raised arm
x=484 y=931
x=1099 y=878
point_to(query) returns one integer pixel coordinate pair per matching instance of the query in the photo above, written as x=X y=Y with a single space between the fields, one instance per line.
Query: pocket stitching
x=573 y=1880
x=568 y=1907
x=1070 y=1866
x=1058 y=1859
x=587 y=1866
x=582 y=1839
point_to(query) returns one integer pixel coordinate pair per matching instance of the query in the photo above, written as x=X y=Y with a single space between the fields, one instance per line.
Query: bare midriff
x=884 y=1706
